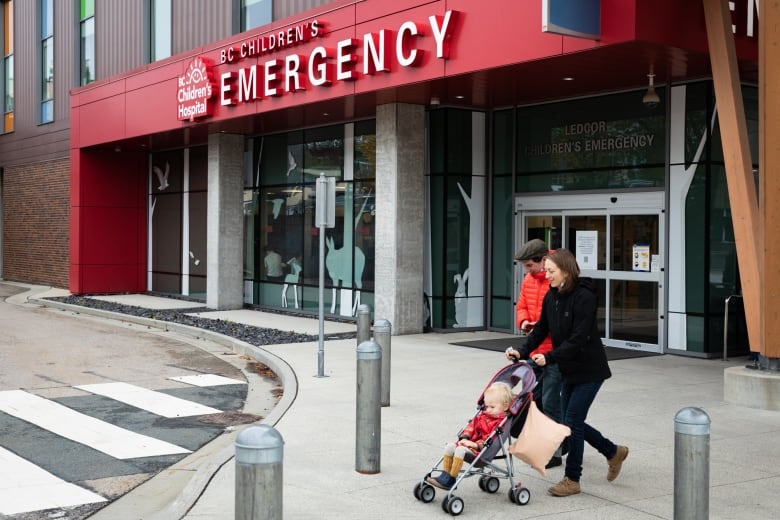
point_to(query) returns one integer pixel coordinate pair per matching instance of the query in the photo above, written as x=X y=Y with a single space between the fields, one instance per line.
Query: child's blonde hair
x=502 y=391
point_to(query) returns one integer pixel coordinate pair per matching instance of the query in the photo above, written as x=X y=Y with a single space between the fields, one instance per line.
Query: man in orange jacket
x=528 y=309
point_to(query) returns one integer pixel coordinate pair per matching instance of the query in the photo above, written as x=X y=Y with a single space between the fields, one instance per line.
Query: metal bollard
x=368 y=435
x=363 y=323
x=259 y=457
x=382 y=337
x=691 y=464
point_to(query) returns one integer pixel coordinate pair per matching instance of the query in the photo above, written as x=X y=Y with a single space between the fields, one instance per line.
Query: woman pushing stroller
x=569 y=317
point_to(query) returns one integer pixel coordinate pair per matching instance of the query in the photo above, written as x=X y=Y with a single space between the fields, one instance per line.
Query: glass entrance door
x=618 y=240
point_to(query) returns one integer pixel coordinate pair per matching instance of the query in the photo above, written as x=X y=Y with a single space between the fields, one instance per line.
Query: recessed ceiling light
x=568 y=78
x=325 y=114
x=459 y=97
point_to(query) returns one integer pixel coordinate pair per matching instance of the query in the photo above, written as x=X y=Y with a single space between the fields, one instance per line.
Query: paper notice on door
x=587 y=249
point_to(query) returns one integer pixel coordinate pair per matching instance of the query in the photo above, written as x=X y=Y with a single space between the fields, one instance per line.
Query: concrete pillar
x=400 y=187
x=225 y=221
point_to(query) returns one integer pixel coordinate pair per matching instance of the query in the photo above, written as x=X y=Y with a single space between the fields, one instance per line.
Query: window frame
x=46 y=56
x=7 y=80
x=85 y=16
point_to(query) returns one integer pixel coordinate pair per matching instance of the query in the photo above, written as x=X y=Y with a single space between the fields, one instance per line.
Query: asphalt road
x=46 y=353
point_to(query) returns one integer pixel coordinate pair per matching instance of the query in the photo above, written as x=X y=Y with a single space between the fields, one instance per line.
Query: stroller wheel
x=482 y=483
x=454 y=506
x=520 y=496
x=492 y=484
x=426 y=492
x=417 y=489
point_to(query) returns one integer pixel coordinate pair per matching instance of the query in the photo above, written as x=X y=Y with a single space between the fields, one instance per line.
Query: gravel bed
x=257 y=336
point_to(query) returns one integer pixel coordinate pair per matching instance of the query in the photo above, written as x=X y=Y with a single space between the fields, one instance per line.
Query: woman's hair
x=502 y=391
x=566 y=262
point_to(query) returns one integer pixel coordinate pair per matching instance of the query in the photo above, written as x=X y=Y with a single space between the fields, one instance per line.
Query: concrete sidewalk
x=434 y=388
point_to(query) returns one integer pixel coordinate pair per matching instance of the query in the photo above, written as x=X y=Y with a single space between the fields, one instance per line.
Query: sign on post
x=325 y=217
x=326 y=202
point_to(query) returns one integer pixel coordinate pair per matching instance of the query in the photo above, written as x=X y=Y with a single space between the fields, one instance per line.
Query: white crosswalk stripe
x=25 y=487
x=102 y=436
x=156 y=402
x=207 y=380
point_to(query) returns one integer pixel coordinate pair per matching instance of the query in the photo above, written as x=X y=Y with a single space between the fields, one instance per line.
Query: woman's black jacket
x=570 y=319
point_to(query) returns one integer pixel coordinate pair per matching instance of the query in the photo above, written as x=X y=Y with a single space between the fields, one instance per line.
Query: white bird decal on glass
x=162 y=177
x=291 y=164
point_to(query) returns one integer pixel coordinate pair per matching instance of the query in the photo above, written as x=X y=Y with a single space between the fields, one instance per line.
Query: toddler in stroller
x=483 y=441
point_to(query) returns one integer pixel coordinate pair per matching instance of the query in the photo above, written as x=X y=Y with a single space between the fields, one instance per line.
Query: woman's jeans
x=575 y=402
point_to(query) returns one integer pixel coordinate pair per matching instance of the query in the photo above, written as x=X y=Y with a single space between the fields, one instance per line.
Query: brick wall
x=36 y=223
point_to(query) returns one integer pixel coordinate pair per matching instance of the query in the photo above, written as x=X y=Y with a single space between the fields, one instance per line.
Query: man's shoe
x=443 y=481
x=565 y=488
x=616 y=462
x=554 y=462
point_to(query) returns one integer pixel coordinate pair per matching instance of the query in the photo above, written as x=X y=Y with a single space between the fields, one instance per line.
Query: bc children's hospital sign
x=350 y=59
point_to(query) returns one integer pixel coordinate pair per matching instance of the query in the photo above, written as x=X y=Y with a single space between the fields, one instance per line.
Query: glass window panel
x=166 y=233
x=199 y=168
x=197 y=241
x=47 y=18
x=88 y=51
x=323 y=152
x=86 y=8
x=628 y=231
x=47 y=111
x=502 y=142
x=9 y=83
x=255 y=13
x=545 y=227
x=459 y=142
x=365 y=229
x=364 y=164
x=161 y=29
x=280 y=159
x=634 y=311
x=632 y=179
x=695 y=241
x=502 y=240
x=8 y=25
x=166 y=221
x=588 y=223
x=47 y=74
x=698 y=101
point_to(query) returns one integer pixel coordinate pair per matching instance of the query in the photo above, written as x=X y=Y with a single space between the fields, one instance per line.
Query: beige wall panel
x=198 y=22
x=285 y=8
x=119 y=30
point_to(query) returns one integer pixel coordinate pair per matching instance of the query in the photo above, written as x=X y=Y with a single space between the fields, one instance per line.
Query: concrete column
x=225 y=265
x=400 y=187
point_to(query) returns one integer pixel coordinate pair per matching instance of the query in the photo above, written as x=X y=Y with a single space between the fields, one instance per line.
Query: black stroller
x=487 y=463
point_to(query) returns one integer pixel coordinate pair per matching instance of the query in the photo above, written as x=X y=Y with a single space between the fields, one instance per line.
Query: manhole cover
x=230 y=418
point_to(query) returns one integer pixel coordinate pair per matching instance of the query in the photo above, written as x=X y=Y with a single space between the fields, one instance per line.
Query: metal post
x=321 y=291
x=382 y=330
x=368 y=435
x=259 y=457
x=363 y=323
x=691 y=465
x=726 y=324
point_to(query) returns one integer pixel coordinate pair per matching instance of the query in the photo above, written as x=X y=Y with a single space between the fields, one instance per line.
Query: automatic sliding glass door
x=618 y=241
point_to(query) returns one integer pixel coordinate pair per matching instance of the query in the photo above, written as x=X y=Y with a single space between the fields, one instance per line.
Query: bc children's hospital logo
x=196 y=88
